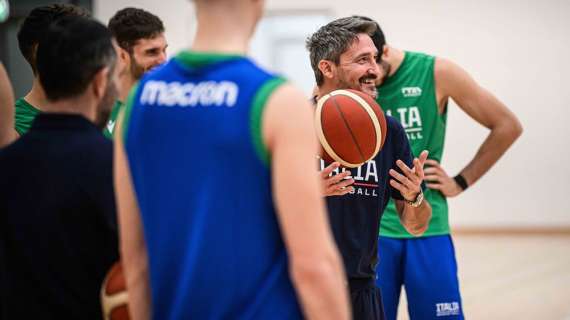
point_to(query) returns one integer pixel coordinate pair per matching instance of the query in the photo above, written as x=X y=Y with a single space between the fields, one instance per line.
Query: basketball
x=114 y=296
x=351 y=127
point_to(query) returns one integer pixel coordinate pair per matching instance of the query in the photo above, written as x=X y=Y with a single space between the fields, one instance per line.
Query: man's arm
x=7 y=132
x=315 y=265
x=482 y=106
x=132 y=245
x=409 y=183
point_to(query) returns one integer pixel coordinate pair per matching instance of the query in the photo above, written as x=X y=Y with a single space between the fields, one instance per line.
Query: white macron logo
x=208 y=93
x=111 y=126
x=412 y=91
x=447 y=309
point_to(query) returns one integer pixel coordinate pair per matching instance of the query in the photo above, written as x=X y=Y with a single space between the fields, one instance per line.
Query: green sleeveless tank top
x=409 y=96
x=25 y=115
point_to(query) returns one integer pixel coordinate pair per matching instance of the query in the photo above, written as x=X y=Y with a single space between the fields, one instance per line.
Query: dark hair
x=73 y=50
x=132 y=24
x=333 y=39
x=36 y=24
x=377 y=37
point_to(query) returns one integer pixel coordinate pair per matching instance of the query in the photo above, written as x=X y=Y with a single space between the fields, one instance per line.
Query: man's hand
x=337 y=185
x=439 y=180
x=409 y=183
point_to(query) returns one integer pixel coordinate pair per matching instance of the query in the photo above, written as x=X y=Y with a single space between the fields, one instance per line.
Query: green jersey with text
x=25 y=115
x=110 y=128
x=409 y=96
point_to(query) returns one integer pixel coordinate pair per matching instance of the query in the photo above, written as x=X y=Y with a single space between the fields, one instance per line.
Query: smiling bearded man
x=343 y=56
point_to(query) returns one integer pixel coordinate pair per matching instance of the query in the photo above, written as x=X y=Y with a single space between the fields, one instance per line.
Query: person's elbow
x=510 y=128
x=516 y=129
x=316 y=269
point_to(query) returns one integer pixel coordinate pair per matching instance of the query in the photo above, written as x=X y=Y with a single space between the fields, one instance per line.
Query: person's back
x=214 y=223
x=58 y=234
x=57 y=239
x=206 y=201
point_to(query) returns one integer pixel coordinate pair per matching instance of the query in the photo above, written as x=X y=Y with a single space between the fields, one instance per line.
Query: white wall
x=517 y=49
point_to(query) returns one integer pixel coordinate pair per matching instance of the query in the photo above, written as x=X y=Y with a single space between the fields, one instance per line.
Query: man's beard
x=368 y=89
x=137 y=70
x=106 y=104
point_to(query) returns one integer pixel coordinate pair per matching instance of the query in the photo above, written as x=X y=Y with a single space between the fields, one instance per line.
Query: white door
x=279 y=45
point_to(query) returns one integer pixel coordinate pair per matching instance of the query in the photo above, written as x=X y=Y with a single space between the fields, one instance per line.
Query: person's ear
x=100 y=82
x=327 y=68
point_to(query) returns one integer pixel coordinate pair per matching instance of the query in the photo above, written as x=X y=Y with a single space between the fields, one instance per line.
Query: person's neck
x=325 y=89
x=77 y=105
x=221 y=32
x=36 y=97
x=126 y=84
x=395 y=57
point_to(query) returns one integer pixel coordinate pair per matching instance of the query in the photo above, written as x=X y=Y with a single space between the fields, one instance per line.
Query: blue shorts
x=427 y=268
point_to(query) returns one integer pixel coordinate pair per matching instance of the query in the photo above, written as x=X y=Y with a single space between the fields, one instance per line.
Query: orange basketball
x=351 y=127
x=114 y=296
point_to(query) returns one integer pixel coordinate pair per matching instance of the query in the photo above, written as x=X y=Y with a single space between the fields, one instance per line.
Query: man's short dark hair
x=37 y=23
x=377 y=37
x=72 y=51
x=333 y=39
x=132 y=24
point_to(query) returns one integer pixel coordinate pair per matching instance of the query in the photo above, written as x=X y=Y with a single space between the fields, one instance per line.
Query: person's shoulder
x=20 y=154
x=448 y=74
x=393 y=124
x=250 y=69
x=23 y=106
x=447 y=67
x=392 y=144
x=6 y=153
x=162 y=71
x=106 y=144
x=257 y=68
x=20 y=103
x=96 y=145
x=396 y=134
x=26 y=143
x=94 y=156
x=420 y=55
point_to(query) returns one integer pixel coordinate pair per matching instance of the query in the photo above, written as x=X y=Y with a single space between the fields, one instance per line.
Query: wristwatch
x=419 y=199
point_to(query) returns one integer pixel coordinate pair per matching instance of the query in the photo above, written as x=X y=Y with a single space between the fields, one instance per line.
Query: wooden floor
x=512 y=277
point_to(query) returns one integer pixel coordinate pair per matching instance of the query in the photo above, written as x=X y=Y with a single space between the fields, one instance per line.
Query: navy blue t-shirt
x=58 y=232
x=355 y=217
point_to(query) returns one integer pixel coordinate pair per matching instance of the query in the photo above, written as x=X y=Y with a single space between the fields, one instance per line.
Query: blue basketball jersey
x=193 y=140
